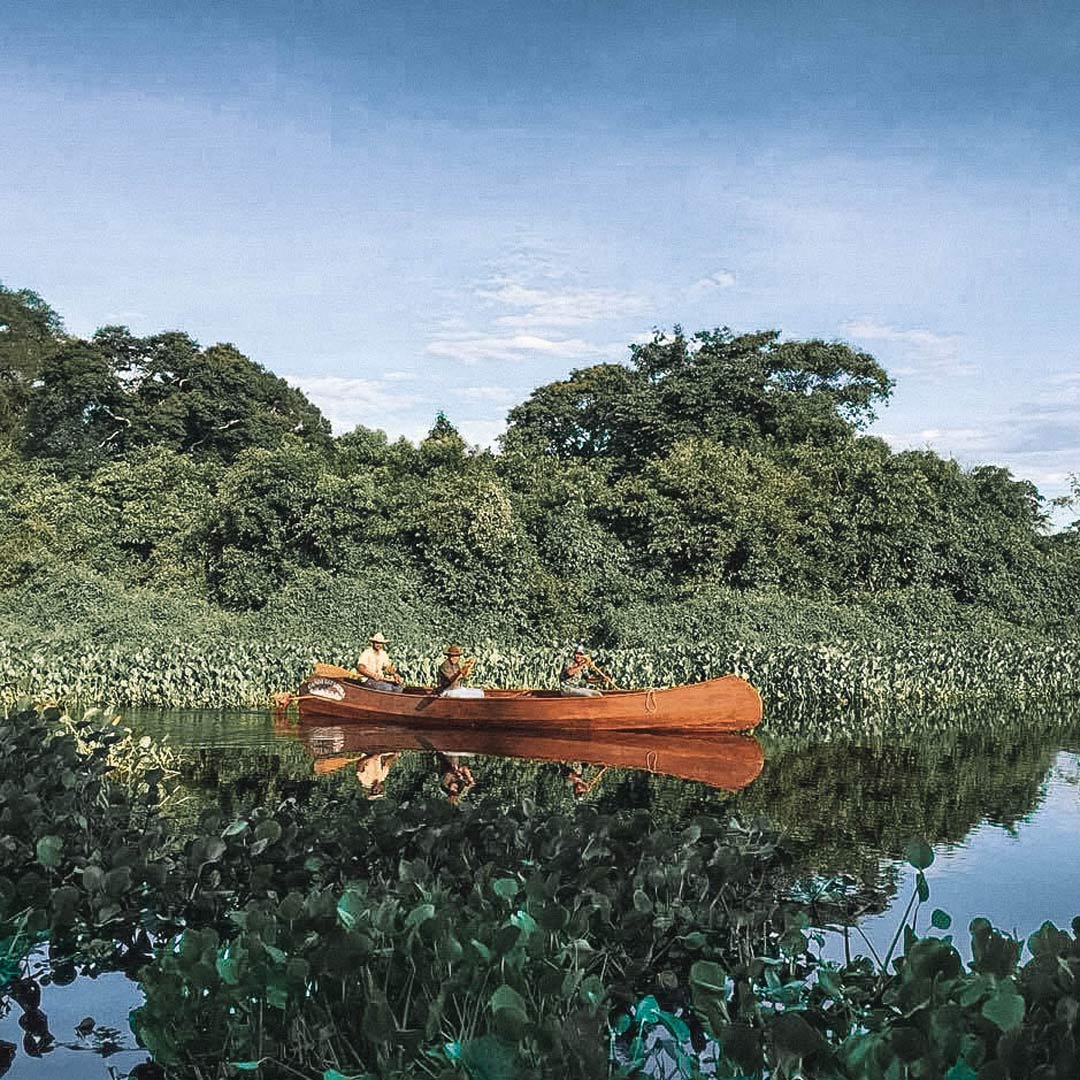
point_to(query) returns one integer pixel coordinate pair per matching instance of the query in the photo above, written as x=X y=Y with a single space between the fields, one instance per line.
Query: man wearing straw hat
x=375 y=669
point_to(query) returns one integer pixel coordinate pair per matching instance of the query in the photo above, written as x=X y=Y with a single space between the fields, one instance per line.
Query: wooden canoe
x=715 y=758
x=727 y=704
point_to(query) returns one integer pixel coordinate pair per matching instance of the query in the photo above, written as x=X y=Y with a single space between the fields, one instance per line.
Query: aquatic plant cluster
x=319 y=934
x=838 y=677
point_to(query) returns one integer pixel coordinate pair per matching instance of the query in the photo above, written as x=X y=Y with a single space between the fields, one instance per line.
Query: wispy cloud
x=550 y=307
x=481 y=432
x=720 y=279
x=496 y=395
x=928 y=352
x=348 y=402
x=1037 y=439
x=511 y=348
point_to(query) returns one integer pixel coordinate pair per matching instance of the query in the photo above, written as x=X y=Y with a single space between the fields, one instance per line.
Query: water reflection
x=996 y=795
x=728 y=762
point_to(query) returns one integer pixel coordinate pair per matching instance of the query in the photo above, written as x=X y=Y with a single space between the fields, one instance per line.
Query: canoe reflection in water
x=718 y=759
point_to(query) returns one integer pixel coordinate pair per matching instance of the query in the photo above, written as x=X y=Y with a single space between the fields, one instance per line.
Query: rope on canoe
x=651 y=760
x=650 y=700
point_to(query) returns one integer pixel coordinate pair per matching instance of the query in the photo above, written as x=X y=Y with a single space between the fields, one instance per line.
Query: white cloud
x=348 y=402
x=959 y=441
x=498 y=395
x=721 y=279
x=928 y=352
x=1064 y=390
x=481 y=432
x=1036 y=440
x=512 y=348
x=556 y=307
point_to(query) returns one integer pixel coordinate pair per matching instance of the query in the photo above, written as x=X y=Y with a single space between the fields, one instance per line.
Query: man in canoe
x=452 y=672
x=579 y=676
x=375 y=668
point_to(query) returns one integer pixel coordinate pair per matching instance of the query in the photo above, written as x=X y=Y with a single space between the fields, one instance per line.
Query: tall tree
x=77 y=411
x=212 y=402
x=93 y=401
x=738 y=390
x=30 y=331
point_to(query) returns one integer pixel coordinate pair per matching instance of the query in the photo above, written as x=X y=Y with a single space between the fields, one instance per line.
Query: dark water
x=997 y=796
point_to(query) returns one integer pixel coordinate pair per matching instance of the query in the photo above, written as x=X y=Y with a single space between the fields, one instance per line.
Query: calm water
x=998 y=797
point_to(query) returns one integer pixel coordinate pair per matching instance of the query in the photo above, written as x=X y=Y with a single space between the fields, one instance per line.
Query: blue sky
x=404 y=207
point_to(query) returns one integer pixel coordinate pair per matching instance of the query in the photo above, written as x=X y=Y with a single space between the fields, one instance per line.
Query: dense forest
x=716 y=483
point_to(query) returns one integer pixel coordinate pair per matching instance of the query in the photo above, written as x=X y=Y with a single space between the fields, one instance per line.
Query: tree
x=98 y=400
x=77 y=411
x=157 y=503
x=256 y=539
x=30 y=331
x=588 y=415
x=736 y=390
x=709 y=510
x=211 y=403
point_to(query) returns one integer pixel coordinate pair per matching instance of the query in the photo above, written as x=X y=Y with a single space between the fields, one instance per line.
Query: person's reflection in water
x=574 y=774
x=371 y=773
x=455 y=778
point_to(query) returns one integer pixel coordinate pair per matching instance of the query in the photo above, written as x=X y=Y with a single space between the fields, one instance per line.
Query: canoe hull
x=726 y=704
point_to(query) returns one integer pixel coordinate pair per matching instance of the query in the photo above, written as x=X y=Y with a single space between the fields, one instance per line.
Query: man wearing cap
x=375 y=669
x=451 y=673
x=577 y=676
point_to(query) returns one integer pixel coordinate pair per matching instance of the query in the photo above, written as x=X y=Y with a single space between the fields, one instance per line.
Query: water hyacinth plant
x=839 y=676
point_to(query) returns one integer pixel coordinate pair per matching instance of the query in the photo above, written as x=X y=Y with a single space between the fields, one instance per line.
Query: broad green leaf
x=707 y=978
x=647 y=1011
x=49 y=850
x=507 y=888
x=792 y=1035
x=919 y=854
x=961 y=1071
x=419 y=914
x=941 y=920
x=1005 y=1008
x=922 y=887
x=351 y=908
x=507 y=998
x=489 y=1058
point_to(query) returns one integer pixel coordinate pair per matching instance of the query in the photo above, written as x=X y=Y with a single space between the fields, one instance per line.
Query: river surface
x=997 y=797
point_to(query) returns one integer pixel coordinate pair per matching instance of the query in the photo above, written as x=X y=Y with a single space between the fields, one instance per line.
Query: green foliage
x=711 y=504
x=738 y=390
x=93 y=401
x=30 y=332
x=327 y=935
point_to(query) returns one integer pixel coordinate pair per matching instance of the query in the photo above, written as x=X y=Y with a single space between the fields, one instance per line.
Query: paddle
x=600 y=671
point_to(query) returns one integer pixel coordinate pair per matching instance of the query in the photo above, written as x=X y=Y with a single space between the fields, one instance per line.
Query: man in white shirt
x=375 y=669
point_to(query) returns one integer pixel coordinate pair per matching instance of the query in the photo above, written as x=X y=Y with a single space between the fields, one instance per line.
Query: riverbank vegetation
x=178 y=526
x=311 y=932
